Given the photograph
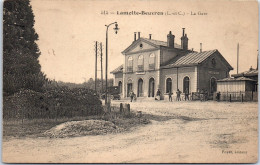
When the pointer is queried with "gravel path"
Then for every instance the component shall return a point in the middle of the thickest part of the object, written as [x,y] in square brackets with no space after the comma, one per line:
[201,132]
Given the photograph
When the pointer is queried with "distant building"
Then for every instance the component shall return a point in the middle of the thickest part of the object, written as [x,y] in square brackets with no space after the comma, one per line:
[244,83]
[150,65]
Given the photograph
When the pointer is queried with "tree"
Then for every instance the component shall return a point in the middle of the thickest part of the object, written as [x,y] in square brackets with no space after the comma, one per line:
[21,68]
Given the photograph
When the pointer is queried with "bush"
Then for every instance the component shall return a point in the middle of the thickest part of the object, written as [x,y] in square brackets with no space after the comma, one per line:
[52,103]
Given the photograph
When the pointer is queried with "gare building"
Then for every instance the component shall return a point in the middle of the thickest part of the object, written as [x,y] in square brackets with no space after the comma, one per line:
[150,65]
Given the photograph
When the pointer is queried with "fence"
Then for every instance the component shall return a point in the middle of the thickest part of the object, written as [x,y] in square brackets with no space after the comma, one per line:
[237,96]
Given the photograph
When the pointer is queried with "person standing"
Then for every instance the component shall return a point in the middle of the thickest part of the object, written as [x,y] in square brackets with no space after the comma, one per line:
[178,95]
[170,96]
[202,95]
[131,95]
[186,94]
[218,96]
[158,95]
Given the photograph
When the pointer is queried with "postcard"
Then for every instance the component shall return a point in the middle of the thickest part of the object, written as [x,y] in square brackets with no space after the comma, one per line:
[133,81]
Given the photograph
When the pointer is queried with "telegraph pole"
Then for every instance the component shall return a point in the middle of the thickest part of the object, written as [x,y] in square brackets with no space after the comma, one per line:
[101,65]
[237,56]
[96,67]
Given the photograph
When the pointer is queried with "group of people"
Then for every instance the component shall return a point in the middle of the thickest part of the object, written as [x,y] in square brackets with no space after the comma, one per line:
[178,94]
[203,95]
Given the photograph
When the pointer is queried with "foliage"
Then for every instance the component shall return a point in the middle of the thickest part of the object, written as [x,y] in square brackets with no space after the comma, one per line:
[21,68]
[91,84]
[53,103]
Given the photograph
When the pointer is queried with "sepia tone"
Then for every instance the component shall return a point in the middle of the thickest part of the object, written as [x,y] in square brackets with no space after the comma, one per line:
[130,81]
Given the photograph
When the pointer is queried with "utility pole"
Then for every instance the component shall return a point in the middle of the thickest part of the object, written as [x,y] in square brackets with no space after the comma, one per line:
[257,60]
[101,65]
[237,56]
[96,67]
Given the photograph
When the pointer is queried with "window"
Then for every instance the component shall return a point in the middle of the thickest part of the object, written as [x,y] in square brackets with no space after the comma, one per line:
[120,86]
[152,61]
[168,85]
[213,62]
[141,63]
[130,64]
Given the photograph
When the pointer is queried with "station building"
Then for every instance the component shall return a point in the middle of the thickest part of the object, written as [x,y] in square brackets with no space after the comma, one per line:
[150,65]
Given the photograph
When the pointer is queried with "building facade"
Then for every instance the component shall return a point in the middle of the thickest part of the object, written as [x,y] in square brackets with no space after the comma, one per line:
[150,65]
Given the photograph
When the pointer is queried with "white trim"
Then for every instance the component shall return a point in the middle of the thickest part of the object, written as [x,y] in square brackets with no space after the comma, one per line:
[128,80]
[196,79]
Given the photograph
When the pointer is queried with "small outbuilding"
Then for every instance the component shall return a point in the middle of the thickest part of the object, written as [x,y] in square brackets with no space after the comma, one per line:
[237,89]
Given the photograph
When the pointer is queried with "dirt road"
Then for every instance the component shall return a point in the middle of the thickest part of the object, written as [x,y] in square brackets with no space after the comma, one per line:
[201,132]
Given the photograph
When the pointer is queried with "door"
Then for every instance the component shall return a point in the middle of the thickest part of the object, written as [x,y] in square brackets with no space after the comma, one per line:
[140,88]
[213,85]
[151,87]
[186,84]
[129,89]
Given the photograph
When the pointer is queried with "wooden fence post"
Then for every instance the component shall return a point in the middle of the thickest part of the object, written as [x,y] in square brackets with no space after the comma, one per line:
[121,107]
[230,98]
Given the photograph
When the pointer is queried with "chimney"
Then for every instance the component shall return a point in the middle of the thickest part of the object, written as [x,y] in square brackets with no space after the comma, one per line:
[150,36]
[200,47]
[139,34]
[135,36]
[170,40]
[192,50]
[184,40]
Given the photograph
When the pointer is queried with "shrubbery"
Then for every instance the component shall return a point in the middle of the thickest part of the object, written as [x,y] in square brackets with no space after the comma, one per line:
[52,103]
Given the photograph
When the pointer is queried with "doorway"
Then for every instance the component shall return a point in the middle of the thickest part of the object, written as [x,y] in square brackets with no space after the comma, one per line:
[140,88]
[129,89]
[186,84]
[151,87]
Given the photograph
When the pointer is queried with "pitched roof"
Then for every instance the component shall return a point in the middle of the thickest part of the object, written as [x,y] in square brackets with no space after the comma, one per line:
[235,79]
[192,58]
[156,43]
[118,69]
[160,43]
[250,72]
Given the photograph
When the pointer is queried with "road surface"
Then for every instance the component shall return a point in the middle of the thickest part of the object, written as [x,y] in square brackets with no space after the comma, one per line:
[200,132]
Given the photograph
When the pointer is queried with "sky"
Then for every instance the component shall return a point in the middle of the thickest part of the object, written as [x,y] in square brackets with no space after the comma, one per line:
[68,30]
